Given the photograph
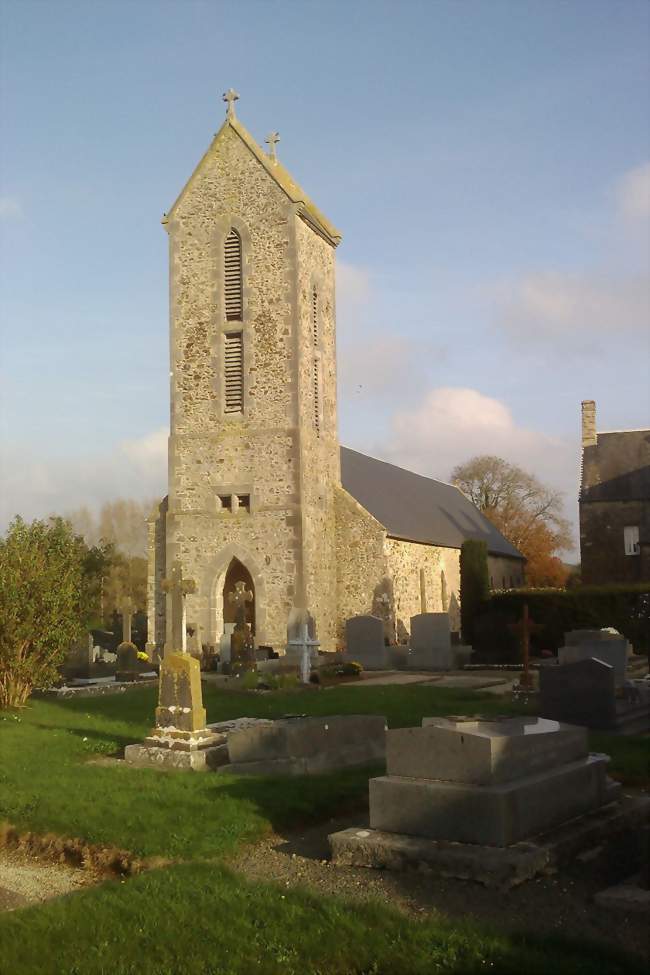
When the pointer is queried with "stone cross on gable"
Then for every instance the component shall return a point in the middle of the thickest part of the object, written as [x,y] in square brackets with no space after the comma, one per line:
[272,140]
[178,588]
[238,599]
[230,97]
[126,607]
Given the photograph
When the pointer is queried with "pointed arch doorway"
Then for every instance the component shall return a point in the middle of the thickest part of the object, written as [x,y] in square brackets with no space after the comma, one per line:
[237,572]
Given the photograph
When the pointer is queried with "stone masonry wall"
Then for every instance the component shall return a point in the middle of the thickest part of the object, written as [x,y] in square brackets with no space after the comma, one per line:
[362,574]
[417,571]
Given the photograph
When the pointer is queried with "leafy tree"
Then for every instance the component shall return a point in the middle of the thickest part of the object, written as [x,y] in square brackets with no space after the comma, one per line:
[527,512]
[474,584]
[46,598]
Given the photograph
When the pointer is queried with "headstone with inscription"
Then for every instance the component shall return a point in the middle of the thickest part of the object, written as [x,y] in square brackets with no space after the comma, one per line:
[582,693]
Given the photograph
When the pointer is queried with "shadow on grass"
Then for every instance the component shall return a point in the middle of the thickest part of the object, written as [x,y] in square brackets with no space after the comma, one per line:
[90,734]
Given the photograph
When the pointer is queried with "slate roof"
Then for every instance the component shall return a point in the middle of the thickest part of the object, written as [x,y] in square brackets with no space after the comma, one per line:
[307,209]
[617,467]
[417,508]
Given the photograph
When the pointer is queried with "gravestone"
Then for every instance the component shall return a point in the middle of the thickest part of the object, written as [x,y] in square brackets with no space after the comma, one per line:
[364,640]
[127,662]
[224,646]
[430,645]
[612,650]
[242,648]
[581,693]
[180,738]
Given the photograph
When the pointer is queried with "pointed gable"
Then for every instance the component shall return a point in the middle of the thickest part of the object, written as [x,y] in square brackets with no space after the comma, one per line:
[305,207]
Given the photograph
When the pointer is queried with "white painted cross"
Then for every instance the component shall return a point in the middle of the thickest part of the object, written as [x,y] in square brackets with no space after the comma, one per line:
[306,646]
[178,588]
[272,140]
[231,97]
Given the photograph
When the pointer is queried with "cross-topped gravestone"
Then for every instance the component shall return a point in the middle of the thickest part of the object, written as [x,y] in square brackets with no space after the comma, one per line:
[230,97]
[523,629]
[272,140]
[238,598]
[126,606]
[178,588]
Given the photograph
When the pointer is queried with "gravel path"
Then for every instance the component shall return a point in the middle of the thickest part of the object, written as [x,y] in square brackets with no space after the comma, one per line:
[25,880]
[551,905]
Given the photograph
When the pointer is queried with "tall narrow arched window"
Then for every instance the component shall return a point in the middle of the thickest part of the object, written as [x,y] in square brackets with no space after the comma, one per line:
[233,281]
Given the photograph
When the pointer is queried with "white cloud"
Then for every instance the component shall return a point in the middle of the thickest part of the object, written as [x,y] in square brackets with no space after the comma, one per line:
[558,306]
[352,289]
[633,194]
[34,487]
[10,208]
[452,424]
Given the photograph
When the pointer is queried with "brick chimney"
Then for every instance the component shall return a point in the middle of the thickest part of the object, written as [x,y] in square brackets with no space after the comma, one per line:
[589,435]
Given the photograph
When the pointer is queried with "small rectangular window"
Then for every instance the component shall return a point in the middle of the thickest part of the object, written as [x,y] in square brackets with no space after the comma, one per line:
[226,502]
[631,539]
[244,502]
[234,372]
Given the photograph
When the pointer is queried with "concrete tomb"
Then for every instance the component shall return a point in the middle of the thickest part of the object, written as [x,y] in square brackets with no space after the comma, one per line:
[302,746]
[471,796]
[364,640]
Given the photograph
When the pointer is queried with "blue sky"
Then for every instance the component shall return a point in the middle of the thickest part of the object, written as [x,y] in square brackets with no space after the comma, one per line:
[487,163]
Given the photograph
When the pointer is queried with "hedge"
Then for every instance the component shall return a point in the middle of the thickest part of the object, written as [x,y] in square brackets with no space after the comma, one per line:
[474,584]
[626,608]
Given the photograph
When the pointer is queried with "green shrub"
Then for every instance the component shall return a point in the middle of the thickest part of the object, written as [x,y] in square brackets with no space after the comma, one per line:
[626,608]
[474,585]
[342,668]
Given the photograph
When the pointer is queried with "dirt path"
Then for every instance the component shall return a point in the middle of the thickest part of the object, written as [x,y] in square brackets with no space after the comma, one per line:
[551,905]
[26,880]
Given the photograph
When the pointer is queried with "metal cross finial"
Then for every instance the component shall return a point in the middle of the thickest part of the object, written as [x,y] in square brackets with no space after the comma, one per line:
[231,97]
[272,140]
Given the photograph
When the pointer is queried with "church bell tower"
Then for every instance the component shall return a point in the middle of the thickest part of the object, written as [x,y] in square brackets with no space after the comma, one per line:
[253,446]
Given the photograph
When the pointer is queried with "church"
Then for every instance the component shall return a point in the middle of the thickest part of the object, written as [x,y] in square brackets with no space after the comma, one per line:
[260,491]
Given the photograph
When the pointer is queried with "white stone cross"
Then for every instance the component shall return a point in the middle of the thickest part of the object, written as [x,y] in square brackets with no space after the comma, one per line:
[306,646]
[272,140]
[178,588]
[231,97]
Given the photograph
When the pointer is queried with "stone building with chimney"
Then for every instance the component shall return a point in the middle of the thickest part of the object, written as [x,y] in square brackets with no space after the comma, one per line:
[259,489]
[614,503]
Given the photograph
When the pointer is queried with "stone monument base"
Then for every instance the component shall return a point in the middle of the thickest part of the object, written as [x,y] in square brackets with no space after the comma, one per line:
[493,866]
[201,751]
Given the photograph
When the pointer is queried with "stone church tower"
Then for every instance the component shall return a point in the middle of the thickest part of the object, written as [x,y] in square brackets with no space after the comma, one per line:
[253,448]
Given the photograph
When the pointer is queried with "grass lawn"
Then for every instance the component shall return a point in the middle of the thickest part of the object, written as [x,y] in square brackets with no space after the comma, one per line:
[200,919]
[195,917]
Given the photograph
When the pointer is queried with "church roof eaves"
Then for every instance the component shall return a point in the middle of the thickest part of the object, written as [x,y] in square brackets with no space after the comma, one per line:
[415,508]
[305,207]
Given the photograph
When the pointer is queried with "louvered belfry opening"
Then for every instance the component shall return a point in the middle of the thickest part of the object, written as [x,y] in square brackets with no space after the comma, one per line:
[233,277]
[234,372]
[314,316]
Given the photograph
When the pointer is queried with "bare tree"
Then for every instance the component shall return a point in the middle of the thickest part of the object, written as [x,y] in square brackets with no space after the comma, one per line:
[526,511]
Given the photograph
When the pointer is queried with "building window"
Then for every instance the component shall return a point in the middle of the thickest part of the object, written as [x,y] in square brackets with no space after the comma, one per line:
[226,502]
[244,502]
[631,539]
[233,284]
[234,372]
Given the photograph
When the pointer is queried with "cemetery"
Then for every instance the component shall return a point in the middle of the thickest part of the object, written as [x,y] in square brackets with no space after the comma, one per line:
[268,703]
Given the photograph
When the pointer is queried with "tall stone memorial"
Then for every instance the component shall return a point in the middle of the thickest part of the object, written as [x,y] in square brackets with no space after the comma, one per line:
[180,738]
